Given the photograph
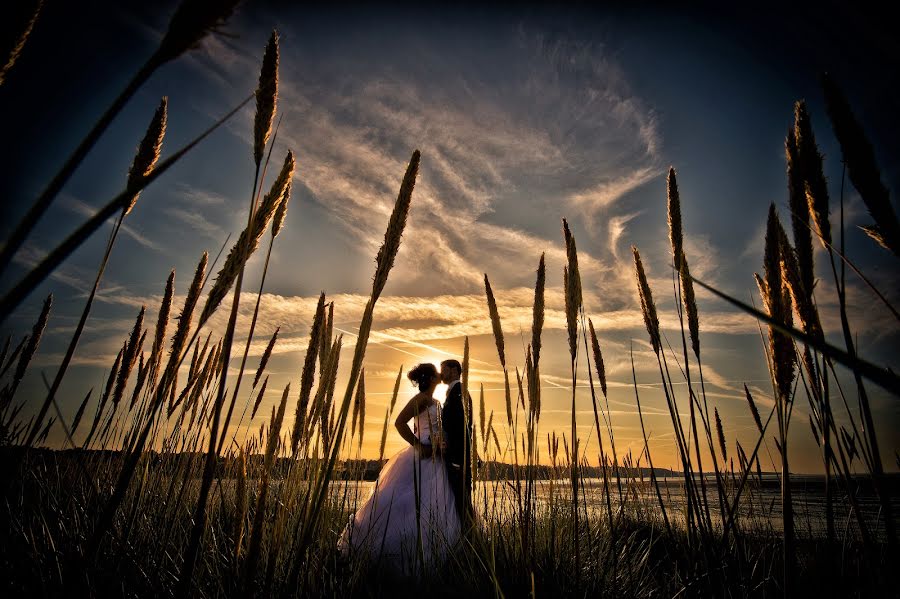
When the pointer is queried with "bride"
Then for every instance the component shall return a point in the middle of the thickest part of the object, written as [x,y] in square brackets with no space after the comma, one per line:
[410,517]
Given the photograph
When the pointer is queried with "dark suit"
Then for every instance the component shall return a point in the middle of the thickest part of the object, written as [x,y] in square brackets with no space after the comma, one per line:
[457,455]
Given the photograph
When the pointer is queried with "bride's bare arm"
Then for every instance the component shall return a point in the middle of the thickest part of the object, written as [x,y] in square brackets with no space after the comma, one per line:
[410,411]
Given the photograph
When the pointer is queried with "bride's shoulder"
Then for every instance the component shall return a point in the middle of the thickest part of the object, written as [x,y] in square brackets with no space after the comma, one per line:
[423,401]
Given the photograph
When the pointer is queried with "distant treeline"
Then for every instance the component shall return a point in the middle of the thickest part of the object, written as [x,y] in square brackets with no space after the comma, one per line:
[368,470]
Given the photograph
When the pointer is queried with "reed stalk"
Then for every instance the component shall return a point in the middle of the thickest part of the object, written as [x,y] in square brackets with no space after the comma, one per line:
[859,158]
[36,275]
[307,374]
[191,22]
[24,18]
[384,261]
[782,359]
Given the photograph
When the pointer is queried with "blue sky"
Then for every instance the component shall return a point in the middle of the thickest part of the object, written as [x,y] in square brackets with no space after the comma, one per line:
[523,118]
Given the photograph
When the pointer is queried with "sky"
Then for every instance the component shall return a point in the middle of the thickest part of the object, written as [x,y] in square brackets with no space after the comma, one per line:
[524,117]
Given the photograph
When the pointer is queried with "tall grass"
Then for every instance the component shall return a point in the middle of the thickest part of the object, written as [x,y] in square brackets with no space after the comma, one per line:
[156,501]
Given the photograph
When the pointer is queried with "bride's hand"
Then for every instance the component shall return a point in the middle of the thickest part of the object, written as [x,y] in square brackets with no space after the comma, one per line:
[425,450]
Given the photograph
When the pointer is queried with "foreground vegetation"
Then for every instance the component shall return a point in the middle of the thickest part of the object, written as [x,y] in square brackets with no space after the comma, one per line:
[163,501]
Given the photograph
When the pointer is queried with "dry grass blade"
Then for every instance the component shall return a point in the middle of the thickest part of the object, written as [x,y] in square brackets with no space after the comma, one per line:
[266,98]
[148,151]
[388,250]
[248,241]
[265,357]
[648,308]
[495,320]
[862,167]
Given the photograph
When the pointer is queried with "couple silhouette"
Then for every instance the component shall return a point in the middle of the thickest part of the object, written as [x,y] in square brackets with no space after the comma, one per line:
[421,503]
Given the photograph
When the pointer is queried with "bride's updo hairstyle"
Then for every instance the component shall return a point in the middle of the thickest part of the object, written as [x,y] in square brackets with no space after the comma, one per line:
[423,375]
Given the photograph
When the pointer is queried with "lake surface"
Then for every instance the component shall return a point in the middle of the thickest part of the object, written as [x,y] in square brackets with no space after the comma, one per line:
[759,506]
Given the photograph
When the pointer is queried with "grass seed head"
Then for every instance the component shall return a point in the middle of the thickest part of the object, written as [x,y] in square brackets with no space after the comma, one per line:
[648,308]
[248,240]
[266,98]
[130,356]
[308,373]
[799,212]
[148,151]
[78,415]
[187,312]
[811,166]
[281,211]
[862,168]
[162,323]
[397,223]
[674,218]
[192,21]
[495,320]
[572,286]
[34,340]
[265,357]
[598,358]
[781,349]
[537,322]
[259,397]
[721,435]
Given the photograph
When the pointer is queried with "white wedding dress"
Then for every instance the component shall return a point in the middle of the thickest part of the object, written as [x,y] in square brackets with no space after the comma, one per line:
[388,527]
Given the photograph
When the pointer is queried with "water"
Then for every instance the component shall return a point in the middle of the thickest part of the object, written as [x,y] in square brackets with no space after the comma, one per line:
[759,507]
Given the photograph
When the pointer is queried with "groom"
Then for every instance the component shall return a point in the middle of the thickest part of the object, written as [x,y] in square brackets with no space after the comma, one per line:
[458,437]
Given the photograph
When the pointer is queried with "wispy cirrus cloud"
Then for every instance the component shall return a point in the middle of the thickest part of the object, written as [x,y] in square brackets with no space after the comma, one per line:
[83,208]
[504,158]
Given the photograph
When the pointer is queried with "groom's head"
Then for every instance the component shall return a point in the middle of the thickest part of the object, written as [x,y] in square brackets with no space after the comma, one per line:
[450,371]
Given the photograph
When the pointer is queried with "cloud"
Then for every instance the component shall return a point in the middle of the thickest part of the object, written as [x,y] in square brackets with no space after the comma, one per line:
[555,131]
[85,209]
[606,193]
